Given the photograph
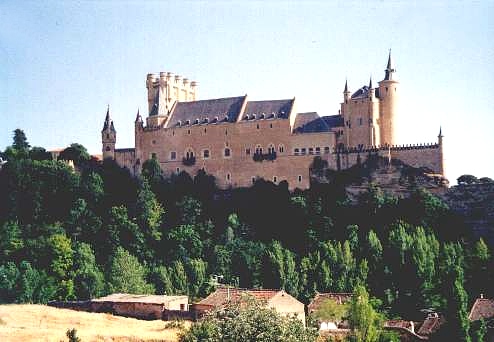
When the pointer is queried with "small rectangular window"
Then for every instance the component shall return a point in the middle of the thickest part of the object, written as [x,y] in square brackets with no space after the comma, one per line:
[153,155]
[227,152]
[326,149]
[247,151]
[205,154]
[299,179]
[275,179]
[173,155]
[318,150]
[296,151]
[304,150]
[311,150]
[253,180]
[228,176]
[178,170]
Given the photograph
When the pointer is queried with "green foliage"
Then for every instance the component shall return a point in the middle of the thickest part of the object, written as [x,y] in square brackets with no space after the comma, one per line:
[466,179]
[72,335]
[75,152]
[151,171]
[365,322]
[88,278]
[330,310]
[249,321]
[11,241]
[127,275]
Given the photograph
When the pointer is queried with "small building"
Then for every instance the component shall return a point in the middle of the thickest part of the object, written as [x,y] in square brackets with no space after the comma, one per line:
[279,300]
[483,308]
[338,298]
[139,306]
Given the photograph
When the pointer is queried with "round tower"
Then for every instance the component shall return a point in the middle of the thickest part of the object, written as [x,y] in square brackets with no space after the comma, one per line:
[388,105]
[108,137]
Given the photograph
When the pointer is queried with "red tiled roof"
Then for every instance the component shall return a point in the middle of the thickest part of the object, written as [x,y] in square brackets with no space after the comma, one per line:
[430,325]
[482,308]
[222,295]
[340,298]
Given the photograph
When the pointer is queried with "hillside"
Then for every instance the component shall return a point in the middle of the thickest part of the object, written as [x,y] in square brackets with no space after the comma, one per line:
[43,323]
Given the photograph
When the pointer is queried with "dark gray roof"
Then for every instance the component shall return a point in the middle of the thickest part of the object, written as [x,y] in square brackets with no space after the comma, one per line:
[207,111]
[156,104]
[361,93]
[319,124]
[268,109]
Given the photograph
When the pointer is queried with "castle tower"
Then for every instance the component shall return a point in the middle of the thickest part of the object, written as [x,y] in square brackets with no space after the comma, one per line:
[441,151]
[388,103]
[163,93]
[108,137]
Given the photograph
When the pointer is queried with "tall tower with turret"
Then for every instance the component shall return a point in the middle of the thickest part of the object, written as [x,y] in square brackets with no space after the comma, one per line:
[388,105]
[108,137]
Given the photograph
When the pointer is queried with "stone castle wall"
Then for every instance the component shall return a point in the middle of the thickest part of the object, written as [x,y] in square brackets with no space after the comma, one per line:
[242,139]
[126,158]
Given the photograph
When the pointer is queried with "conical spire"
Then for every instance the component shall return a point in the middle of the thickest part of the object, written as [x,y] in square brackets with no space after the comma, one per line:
[440,132]
[138,116]
[107,123]
[346,86]
[389,68]
[370,82]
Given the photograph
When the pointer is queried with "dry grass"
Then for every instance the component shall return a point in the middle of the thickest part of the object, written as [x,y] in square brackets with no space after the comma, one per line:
[44,323]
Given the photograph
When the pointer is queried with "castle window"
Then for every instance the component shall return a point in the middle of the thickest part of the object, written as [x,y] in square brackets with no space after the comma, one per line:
[257,126]
[196,122]
[262,116]
[247,151]
[386,89]
[318,150]
[228,177]
[326,149]
[360,121]
[187,122]
[281,148]
[311,150]
[296,151]
[153,155]
[179,123]
[275,179]
[253,180]
[304,150]
[226,132]
[188,131]
[205,154]
[205,130]
[173,155]
[258,149]
[189,154]
[227,152]
[271,125]
[154,142]
[173,132]
[299,178]
[178,170]
[108,148]
[271,149]
[107,136]
[206,120]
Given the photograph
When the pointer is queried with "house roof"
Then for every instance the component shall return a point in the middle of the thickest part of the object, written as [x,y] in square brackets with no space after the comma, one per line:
[312,123]
[361,93]
[135,298]
[223,295]
[320,298]
[482,308]
[431,324]
[206,111]
[268,109]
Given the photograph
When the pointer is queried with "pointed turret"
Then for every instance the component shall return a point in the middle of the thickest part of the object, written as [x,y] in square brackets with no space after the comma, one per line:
[390,70]
[346,92]
[372,91]
[370,82]
[138,116]
[440,136]
[108,136]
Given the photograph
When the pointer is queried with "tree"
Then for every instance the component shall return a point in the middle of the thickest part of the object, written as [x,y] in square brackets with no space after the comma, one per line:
[11,241]
[249,320]
[160,277]
[149,213]
[39,153]
[330,310]
[127,275]
[88,279]
[75,152]
[365,322]
[151,171]
[467,179]
[61,256]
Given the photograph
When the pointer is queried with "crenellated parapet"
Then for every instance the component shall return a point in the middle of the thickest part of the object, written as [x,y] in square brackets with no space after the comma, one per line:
[387,148]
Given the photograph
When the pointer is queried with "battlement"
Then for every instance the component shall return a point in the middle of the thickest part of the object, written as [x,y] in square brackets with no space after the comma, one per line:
[165,89]
[404,147]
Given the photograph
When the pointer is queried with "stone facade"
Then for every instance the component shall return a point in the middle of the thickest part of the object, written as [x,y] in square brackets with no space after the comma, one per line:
[238,140]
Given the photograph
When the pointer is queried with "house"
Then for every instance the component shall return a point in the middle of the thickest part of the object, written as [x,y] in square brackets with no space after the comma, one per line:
[139,306]
[279,300]
[482,308]
[320,299]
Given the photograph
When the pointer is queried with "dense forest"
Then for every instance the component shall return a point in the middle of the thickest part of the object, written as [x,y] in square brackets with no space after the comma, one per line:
[80,234]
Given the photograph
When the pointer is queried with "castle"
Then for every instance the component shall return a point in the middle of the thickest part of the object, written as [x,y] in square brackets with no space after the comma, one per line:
[238,140]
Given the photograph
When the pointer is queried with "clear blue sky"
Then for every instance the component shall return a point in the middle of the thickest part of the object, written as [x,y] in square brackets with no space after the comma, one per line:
[63,62]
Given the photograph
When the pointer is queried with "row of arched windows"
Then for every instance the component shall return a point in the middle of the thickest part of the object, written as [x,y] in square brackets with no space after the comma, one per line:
[311,150]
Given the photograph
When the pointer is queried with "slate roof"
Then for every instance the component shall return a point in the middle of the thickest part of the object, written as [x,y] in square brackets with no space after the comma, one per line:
[220,297]
[268,109]
[207,111]
[361,93]
[482,308]
[318,124]
[431,324]
[134,298]
[340,298]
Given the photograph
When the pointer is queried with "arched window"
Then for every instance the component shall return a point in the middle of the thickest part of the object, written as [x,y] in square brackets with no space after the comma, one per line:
[227,152]
[311,150]
[108,148]
[196,122]
[281,148]
[271,149]
[258,149]
[296,151]
[205,154]
[189,153]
